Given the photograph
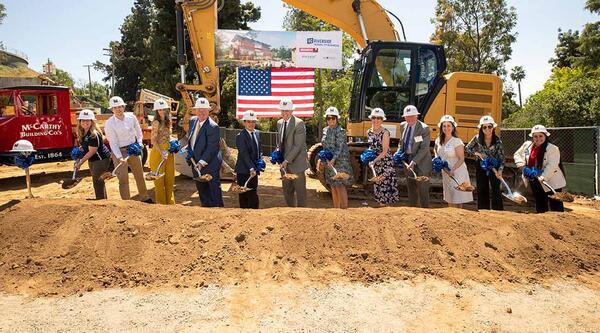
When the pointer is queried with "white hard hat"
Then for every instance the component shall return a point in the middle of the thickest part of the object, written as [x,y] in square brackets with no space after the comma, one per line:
[22,146]
[286,104]
[410,110]
[202,103]
[160,104]
[332,111]
[377,112]
[539,129]
[86,114]
[116,101]
[249,116]
[446,118]
[486,120]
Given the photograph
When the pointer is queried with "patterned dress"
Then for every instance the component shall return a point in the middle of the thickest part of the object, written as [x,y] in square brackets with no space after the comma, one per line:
[334,140]
[386,192]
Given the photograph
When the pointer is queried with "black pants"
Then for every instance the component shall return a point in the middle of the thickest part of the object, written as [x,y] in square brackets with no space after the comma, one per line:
[484,184]
[96,169]
[543,202]
[250,198]
[210,192]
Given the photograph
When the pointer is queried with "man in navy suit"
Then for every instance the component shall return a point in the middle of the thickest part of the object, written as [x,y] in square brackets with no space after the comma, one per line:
[204,138]
[248,145]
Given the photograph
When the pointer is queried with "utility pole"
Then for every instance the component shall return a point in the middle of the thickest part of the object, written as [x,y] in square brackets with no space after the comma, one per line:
[90,79]
[110,54]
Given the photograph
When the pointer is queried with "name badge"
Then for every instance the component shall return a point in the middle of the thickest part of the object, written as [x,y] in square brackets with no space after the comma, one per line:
[418,138]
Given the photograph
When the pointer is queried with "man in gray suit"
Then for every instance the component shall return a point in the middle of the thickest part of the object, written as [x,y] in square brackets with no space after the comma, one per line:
[414,140]
[291,135]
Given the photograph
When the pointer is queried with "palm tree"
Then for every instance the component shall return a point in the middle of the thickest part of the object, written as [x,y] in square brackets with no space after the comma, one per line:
[518,75]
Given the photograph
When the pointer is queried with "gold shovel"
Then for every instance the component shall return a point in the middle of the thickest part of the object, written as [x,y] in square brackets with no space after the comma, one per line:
[200,178]
[73,181]
[418,178]
[154,175]
[560,196]
[235,188]
[375,178]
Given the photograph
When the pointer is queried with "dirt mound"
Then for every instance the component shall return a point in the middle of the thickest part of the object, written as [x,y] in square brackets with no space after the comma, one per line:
[60,246]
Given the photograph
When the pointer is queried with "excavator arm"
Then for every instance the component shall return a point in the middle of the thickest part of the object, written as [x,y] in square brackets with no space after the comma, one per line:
[364,20]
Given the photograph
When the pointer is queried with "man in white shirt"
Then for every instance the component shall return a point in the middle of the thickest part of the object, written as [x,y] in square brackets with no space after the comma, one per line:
[123,129]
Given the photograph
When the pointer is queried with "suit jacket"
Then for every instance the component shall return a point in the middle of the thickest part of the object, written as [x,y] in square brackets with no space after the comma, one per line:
[551,170]
[294,144]
[206,147]
[248,152]
[421,154]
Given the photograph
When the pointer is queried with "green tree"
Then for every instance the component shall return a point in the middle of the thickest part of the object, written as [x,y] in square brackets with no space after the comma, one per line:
[518,74]
[332,87]
[236,16]
[567,50]
[571,97]
[590,39]
[478,34]
[99,92]
[509,106]
[62,78]
[2,16]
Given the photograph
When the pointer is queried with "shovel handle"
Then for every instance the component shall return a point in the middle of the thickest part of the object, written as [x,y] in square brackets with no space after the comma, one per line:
[247,181]
[28,181]
[409,168]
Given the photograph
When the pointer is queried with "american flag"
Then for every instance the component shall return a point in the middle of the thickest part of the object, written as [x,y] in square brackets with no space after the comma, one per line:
[262,89]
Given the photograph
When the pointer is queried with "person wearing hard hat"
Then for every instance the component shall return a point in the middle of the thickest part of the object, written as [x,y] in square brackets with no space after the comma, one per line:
[484,145]
[291,135]
[123,129]
[415,137]
[450,147]
[386,192]
[539,153]
[249,153]
[160,137]
[334,140]
[203,140]
[96,153]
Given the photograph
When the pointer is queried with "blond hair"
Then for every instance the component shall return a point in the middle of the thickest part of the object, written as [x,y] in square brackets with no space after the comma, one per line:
[81,131]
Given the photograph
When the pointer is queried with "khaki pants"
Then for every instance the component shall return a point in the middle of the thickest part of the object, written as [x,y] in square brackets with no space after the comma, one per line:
[135,163]
[294,191]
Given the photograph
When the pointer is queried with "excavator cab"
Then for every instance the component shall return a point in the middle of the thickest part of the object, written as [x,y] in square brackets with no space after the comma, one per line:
[392,75]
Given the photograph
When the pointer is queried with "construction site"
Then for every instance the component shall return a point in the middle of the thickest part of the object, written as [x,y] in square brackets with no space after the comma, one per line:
[70,262]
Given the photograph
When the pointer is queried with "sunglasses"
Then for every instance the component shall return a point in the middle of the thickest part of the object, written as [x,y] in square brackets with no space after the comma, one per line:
[487,126]
[331,117]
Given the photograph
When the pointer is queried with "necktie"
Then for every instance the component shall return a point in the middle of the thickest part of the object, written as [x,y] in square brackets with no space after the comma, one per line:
[407,141]
[195,135]
[254,142]
[282,145]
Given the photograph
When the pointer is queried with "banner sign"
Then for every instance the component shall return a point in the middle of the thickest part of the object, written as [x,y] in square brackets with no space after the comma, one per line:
[308,49]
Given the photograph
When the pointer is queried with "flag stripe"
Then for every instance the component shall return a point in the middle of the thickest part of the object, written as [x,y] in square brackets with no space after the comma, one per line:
[260,106]
[273,101]
[274,109]
[262,90]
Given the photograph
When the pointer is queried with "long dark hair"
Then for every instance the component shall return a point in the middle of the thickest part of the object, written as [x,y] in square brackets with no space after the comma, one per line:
[443,135]
[163,122]
[539,159]
[481,137]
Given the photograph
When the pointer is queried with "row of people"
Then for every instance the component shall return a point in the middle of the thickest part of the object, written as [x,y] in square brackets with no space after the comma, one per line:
[123,129]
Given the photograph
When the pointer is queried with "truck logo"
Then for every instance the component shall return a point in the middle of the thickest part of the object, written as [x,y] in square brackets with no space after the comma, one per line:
[40,129]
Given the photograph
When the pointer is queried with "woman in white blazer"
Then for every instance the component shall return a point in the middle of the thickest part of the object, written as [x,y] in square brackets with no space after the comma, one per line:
[542,155]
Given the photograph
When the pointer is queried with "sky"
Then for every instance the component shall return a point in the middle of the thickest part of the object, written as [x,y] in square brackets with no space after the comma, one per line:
[73,33]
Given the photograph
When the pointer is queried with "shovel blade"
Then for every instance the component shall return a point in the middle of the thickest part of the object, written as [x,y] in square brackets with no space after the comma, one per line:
[70,183]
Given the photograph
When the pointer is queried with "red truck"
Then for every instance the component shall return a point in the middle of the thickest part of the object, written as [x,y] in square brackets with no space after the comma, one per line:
[39,114]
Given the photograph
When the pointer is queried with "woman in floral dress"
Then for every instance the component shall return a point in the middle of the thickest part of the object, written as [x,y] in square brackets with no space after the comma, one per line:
[334,140]
[386,191]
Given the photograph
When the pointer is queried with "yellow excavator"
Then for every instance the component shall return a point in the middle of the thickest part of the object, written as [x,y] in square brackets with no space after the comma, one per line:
[389,73]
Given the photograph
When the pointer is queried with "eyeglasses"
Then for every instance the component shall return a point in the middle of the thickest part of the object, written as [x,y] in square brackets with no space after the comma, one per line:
[331,117]
[487,126]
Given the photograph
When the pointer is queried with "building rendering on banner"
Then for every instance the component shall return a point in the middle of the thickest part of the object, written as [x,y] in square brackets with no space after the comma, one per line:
[245,48]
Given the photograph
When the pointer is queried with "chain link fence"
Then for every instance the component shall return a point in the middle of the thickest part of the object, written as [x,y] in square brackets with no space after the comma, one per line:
[579,153]
[268,140]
